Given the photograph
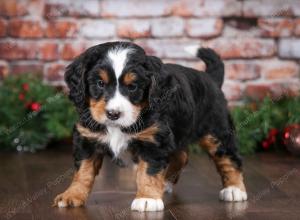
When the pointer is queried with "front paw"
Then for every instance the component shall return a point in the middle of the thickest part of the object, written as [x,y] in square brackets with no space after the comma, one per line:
[69,199]
[232,194]
[147,204]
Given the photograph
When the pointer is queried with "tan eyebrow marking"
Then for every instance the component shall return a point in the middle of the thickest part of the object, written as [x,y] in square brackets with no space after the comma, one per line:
[104,76]
[129,78]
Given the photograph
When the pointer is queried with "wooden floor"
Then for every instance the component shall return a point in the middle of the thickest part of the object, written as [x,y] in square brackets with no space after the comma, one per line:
[29,182]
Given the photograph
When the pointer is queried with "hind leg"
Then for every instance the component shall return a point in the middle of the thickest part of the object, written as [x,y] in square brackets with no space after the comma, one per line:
[228,165]
[177,162]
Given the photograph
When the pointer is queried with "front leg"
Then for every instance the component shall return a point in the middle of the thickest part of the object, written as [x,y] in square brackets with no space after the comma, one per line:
[83,180]
[87,162]
[150,189]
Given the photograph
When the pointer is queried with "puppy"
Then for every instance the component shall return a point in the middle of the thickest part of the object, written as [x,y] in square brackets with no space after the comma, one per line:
[128,101]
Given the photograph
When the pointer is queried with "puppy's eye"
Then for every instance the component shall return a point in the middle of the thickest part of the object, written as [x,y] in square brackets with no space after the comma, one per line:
[132,87]
[100,84]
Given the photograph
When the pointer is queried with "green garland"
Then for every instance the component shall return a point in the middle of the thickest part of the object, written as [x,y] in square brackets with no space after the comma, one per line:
[32,113]
[254,121]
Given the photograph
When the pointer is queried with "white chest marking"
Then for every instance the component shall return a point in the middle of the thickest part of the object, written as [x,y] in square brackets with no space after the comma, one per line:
[116,139]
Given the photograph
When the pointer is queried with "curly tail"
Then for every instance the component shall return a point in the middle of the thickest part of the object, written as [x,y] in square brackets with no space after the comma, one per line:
[213,62]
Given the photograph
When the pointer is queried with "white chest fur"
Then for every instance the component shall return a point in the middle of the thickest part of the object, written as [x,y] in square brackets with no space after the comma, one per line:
[116,139]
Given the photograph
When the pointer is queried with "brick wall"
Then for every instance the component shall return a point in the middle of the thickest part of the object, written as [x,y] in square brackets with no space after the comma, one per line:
[259,39]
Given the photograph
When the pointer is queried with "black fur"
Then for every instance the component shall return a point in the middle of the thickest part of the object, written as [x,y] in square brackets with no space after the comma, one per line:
[185,103]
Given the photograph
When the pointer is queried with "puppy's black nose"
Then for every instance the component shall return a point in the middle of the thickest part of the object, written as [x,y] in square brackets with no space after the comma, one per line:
[113,115]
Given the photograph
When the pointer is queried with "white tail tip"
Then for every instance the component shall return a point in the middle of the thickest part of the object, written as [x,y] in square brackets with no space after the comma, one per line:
[192,49]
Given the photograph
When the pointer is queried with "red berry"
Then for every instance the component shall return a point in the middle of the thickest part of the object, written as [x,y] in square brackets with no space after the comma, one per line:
[265,145]
[272,139]
[286,135]
[27,105]
[35,106]
[273,132]
[25,86]
[21,96]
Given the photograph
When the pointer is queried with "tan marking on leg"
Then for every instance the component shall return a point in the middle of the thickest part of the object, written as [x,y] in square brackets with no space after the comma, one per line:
[82,183]
[230,174]
[104,76]
[97,108]
[210,144]
[149,186]
[177,162]
[129,78]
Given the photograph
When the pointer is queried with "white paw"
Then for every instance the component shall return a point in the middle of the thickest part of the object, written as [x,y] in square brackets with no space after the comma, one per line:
[169,187]
[232,194]
[147,204]
[62,204]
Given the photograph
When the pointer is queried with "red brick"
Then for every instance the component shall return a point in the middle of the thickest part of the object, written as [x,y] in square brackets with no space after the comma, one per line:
[15,50]
[259,91]
[54,10]
[133,28]
[276,27]
[26,67]
[277,69]
[25,28]
[61,29]
[205,8]
[54,72]
[2,28]
[242,70]
[65,8]
[71,50]
[276,90]
[48,51]
[135,8]
[167,27]
[4,69]
[232,91]
[297,27]
[233,29]
[208,27]
[272,8]
[12,8]
[242,47]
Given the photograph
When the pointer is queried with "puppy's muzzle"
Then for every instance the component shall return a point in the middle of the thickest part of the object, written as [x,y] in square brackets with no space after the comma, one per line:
[113,114]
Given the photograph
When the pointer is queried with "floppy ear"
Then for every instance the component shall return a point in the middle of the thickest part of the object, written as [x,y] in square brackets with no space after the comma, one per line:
[153,63]
[75,79]
[75,75]
[161,83]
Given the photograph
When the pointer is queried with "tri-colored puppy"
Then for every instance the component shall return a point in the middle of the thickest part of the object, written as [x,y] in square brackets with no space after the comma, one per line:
[128,101]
